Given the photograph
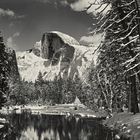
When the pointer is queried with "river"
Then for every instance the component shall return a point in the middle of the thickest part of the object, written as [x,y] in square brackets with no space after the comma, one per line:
[27,126]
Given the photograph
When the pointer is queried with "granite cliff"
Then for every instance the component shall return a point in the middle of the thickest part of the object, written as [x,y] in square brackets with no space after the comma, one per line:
[56,54]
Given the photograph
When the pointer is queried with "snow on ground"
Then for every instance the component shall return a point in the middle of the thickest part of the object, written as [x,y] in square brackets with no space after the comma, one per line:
[58,109]
[126,124]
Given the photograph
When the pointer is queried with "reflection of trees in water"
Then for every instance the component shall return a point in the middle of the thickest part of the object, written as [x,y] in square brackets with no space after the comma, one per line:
[47,127]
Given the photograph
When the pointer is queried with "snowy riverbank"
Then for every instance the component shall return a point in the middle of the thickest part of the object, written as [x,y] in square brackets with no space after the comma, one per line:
[61,109]
[126,125]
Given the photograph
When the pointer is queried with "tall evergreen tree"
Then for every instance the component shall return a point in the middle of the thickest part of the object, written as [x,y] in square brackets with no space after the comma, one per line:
[3,72]
[39,87]
[40,79]
[122,39]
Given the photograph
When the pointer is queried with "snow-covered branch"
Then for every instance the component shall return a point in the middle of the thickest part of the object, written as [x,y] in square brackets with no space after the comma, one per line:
[101,20]
[136,65]
[125,16]
[135,73]
[127,35]
[133,40]
[128,4]
[130,23]
[128,62]
[104,9]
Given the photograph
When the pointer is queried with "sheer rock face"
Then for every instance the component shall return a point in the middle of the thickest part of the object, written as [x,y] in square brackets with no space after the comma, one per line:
[55,43]
[56,54]
[58,50]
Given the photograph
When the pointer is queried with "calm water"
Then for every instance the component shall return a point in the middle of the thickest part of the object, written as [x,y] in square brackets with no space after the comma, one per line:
[26,126]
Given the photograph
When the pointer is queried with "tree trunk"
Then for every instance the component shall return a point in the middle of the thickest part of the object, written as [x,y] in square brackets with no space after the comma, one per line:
[133,101]
[137,3]
[137,6]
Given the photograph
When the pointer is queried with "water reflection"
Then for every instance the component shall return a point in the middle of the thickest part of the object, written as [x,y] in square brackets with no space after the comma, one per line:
[26,126]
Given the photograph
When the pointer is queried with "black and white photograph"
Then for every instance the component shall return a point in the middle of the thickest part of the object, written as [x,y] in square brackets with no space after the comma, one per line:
[69,69]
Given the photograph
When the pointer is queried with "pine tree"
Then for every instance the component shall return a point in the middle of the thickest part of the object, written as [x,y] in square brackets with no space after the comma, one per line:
[68,91]
[40,79]
[121,25]
[3,72]
[78,89]
[39,87]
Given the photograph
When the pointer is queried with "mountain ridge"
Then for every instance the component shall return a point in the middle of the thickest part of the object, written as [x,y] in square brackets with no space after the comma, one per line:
[56,54]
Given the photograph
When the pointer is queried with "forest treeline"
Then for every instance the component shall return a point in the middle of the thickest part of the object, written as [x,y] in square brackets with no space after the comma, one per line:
[43,92]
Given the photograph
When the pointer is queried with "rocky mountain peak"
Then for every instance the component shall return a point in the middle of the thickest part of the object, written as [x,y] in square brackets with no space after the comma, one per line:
[56,54]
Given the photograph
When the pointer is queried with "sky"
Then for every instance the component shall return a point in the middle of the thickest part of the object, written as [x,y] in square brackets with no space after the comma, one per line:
[23,22]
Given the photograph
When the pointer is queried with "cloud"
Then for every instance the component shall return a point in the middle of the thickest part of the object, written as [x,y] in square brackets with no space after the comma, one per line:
[81,5]
[44,1]
[56,2]
[7,12]
[64,2]
[95,8]
[10,13]
[93,40]
[11,24]
[16,34]
[10,41]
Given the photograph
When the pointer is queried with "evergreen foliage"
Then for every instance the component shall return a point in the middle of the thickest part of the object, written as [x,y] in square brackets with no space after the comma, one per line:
[117,74]
[58,91]
[3,72]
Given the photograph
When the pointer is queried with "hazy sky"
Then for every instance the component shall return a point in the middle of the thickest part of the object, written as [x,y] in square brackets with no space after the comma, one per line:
[24,21]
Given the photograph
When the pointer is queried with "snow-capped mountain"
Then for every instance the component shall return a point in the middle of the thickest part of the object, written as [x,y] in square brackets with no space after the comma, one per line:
[56,54]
